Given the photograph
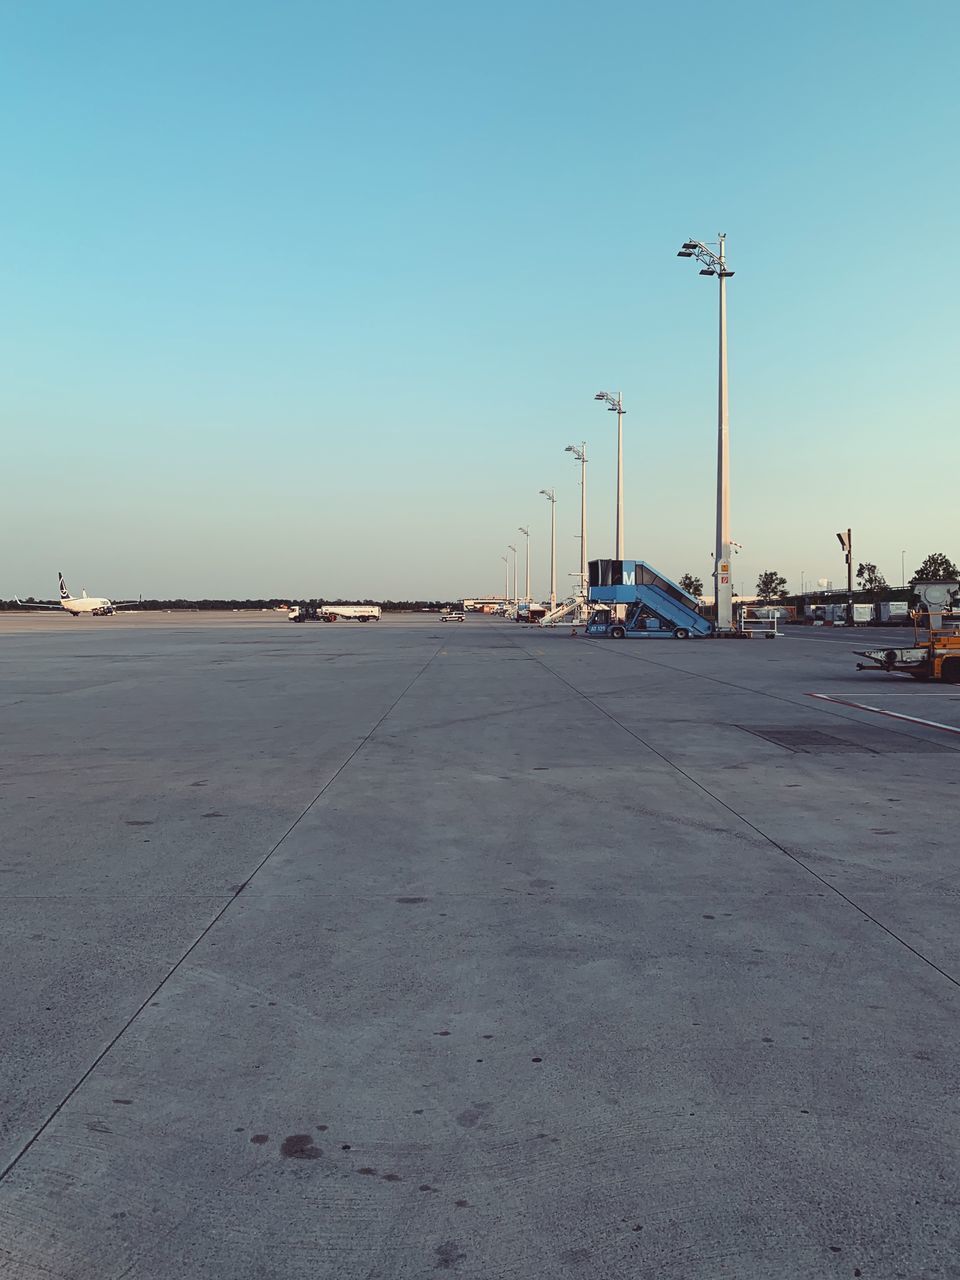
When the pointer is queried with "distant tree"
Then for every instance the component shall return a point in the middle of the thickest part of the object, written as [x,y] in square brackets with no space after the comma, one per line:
[691,583]
[871,579]
[771,586]
[936,568]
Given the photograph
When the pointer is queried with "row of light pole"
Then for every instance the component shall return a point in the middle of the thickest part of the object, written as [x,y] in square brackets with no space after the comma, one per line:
[713,263]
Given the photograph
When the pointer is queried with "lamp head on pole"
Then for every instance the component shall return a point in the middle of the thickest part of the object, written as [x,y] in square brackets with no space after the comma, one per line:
[613,402]
[712,263]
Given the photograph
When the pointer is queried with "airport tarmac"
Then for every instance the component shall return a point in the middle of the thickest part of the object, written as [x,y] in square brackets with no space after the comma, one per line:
[387,951]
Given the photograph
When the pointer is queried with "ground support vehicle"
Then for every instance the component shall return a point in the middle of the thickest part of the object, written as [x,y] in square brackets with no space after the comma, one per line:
[354,612]
[572,610]
[935,655]
[631,598]
[452,616]
[331,612]
[309,613]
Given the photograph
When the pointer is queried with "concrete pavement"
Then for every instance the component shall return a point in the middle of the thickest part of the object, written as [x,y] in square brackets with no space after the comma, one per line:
[399,950]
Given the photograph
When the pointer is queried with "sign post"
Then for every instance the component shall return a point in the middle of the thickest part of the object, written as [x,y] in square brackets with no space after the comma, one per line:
[846,541]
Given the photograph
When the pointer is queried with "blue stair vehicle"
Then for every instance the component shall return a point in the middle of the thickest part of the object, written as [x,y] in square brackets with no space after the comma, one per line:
[652,606]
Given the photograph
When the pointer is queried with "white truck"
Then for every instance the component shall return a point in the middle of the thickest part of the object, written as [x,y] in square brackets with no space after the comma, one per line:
[331,612]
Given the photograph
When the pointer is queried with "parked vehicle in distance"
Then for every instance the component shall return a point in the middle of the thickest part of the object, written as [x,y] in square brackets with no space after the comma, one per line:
[309,613]
[331,612]
[354,612]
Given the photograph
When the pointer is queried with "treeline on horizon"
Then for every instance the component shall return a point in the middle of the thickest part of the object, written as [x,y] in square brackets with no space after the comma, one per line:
[819,596]
[200,606]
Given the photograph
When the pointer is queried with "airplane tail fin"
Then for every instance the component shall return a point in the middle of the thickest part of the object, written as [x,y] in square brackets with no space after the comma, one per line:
[64,593]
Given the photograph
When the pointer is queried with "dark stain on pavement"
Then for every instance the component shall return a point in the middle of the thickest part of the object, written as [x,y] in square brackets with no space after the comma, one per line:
[214,814]
[138,822]
[260,1138]
[448,1256]
[368,1171]
[392,1177]
[411,901]
[299,1146]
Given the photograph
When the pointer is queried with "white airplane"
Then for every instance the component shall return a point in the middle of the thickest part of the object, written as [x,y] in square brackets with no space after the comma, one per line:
[98,606]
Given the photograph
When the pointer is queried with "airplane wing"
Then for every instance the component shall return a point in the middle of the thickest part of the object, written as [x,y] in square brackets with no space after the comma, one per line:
[126,604]
[36,604]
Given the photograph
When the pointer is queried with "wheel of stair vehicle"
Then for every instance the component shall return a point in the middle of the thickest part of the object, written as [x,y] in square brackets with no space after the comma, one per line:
[681,633]
[618,632]
[950,670]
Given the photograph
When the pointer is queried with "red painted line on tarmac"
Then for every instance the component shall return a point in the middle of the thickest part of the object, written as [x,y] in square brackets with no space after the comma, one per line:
[894,715]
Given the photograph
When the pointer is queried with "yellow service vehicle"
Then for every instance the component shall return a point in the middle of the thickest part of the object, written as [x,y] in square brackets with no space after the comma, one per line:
[935,655]
[935,652]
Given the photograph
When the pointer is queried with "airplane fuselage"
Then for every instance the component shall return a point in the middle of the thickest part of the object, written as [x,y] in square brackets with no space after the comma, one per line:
[98,606]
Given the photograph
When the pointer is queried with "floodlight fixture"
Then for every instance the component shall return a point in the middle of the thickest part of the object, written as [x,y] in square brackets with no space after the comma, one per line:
[614,402]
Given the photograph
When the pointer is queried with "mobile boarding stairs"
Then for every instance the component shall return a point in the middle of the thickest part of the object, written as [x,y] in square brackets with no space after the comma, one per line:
[632,599]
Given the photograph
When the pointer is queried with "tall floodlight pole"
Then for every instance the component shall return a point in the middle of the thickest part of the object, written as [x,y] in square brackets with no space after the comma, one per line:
[551,497]
[512,548]
[614,404]
[580,454]
[526,589]
[903,568]
[506,578]
[715,264]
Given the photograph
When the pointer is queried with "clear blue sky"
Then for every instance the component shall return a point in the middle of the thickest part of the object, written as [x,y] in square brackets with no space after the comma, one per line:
[308,298]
